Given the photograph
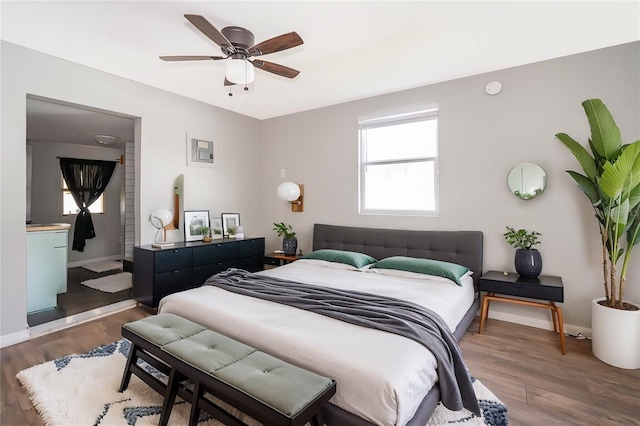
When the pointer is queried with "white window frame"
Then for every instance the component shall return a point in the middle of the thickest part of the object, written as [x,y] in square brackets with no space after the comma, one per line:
[365,123]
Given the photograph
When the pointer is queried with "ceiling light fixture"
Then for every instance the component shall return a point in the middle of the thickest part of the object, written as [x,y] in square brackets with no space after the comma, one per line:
[106,139]
[239,71]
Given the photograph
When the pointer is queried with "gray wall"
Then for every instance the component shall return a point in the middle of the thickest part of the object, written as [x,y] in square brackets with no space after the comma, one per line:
[481,138]
[160,143]
[46,202]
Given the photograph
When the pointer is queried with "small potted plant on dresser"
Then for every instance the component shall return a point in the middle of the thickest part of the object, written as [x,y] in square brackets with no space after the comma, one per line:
[206,234]
[289,240]
[611,184]
[528,260]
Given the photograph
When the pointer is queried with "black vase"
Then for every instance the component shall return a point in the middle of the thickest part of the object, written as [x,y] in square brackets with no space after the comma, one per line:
[528,263]
[290,246]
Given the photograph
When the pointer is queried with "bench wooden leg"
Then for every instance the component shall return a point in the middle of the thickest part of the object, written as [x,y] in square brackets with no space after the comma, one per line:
[317,419]
[195,409]
[126,376]
[170,396]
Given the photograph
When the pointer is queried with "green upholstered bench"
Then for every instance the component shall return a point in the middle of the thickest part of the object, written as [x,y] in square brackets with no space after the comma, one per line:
[266,388]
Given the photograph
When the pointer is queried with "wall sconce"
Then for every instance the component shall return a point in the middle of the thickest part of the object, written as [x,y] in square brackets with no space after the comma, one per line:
[160,219]
[292,193]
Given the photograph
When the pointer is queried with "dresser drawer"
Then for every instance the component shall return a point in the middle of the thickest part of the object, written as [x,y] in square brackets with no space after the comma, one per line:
[172,259]
[202,273]
[215,252]
[173,280]
[252,263]
[523,289]
[251,247]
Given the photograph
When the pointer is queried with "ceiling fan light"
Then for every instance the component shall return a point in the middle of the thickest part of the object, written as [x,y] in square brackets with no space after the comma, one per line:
[239,71]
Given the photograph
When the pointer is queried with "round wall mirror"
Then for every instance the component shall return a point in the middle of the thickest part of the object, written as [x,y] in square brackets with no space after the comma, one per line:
[527,180]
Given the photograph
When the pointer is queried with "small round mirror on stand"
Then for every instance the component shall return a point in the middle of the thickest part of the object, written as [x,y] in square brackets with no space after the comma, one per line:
[527,180]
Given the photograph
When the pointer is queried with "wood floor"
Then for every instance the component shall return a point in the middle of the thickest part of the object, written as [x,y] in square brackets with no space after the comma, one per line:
[523,366]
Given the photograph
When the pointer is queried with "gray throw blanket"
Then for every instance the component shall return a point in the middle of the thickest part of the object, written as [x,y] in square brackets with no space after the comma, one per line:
[382,313]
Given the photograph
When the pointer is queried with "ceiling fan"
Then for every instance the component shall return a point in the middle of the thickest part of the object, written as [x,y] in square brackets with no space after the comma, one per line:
[237,43]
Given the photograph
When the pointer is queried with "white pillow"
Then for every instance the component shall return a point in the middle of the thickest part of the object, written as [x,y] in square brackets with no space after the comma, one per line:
[416,275]
[327,264]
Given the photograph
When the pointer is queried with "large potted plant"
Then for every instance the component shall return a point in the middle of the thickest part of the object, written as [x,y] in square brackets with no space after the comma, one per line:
[611,182]
[289,240]
[528,261]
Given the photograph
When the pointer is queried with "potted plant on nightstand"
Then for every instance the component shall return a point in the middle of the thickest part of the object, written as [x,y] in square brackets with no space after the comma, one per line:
[289,240]
[528,260]
[612,184]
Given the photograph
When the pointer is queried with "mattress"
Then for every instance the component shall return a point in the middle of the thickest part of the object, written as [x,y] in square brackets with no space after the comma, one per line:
[381,377]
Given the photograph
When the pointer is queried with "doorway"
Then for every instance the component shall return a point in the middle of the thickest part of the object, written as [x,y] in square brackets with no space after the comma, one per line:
[60,129]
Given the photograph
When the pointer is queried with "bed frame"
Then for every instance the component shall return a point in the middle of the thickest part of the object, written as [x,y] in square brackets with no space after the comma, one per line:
[461,247]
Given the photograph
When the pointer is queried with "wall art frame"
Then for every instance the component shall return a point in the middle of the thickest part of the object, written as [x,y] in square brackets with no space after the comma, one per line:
[229,222]
[194,221]
[216,228]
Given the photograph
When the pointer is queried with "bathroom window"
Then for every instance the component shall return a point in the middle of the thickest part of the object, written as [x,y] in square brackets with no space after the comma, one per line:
[69,206]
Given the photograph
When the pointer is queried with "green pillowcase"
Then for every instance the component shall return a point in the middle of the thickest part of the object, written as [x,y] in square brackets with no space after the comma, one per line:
[352,258]
[439,268]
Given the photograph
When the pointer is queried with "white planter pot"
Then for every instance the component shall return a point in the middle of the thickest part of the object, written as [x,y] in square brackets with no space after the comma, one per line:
[615,335]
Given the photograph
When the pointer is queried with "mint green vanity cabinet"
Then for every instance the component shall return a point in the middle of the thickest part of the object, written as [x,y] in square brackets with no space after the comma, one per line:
[46,268]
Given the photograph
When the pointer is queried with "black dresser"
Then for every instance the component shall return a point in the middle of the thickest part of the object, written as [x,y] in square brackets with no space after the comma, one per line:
[159,272]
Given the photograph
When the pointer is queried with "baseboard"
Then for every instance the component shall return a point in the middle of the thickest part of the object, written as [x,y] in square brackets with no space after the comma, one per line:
[96,260]
[14,338]
[573,330]
[80,318]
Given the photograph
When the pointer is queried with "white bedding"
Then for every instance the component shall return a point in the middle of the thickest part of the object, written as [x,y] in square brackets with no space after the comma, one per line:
[381,377]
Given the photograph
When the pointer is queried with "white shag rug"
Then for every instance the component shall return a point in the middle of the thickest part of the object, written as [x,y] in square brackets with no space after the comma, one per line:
[83,390]
[111,283]
[105,266]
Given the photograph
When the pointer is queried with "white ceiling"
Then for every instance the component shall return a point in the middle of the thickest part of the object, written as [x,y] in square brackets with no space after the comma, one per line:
[352,49]
[49,121]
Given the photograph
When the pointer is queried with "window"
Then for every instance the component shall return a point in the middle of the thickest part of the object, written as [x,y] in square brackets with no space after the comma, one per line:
[398,164]
[70,207]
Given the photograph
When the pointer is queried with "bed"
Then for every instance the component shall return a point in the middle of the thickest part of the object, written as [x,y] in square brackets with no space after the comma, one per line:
[382,378]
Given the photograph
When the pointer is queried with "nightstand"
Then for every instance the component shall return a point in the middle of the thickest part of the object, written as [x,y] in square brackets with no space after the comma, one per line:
[276,259]
[545,287]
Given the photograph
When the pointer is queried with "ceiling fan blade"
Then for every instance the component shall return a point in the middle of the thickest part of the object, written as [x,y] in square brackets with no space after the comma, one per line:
[276,44]
[275,68]
[210,31]
[191,58]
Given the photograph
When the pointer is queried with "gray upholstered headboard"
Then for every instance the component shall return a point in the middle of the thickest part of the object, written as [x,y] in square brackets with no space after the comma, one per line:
[461,247]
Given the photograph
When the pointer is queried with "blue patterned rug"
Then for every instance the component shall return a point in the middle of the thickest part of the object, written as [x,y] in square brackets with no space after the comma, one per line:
[83,390]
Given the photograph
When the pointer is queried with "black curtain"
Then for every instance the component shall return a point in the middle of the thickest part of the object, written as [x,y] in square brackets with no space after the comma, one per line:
[86,180]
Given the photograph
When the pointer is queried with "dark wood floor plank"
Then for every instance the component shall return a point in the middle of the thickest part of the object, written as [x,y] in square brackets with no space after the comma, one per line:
[574,389]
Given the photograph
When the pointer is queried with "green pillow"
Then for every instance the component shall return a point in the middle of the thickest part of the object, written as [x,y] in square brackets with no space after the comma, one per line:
[352,258]
[438,268]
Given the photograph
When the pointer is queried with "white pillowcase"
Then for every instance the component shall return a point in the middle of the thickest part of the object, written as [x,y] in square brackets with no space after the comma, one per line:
[416,275]
[327,264]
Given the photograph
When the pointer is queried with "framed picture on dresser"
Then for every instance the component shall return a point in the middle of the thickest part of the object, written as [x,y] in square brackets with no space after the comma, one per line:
[194,221]
[216,228]
[229,223]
